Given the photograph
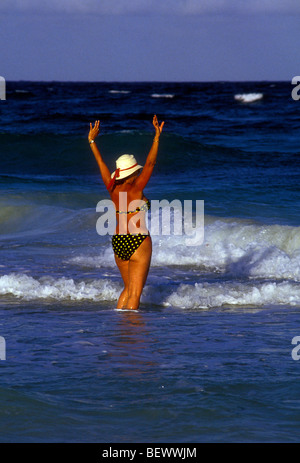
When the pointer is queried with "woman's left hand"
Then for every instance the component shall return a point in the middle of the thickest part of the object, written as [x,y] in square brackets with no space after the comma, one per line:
[158,128]
[94,131]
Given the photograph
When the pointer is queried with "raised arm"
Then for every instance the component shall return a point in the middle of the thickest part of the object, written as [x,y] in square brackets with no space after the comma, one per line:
[146,173]
[94,132]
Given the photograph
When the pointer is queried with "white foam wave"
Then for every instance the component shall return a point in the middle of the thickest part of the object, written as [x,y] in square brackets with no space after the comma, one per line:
[208,295]
[29,288]
[248,97]
[123,92]
[187,296]
[162,95]
[237,248]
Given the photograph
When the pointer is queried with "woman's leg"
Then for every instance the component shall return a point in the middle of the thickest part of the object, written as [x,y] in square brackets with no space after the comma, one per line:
[139,264]
[123,266]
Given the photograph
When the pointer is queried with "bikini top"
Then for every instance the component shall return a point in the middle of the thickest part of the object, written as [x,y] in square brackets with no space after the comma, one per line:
[144,208]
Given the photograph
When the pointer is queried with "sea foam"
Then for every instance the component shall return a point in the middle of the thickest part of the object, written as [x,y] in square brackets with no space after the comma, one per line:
[232,247]
[208,295]
[26,287]
[202,295]
[248,97]
[162,95]
[123,92]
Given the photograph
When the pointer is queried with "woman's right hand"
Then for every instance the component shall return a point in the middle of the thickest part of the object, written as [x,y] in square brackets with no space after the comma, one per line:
[94,131]
[158,128]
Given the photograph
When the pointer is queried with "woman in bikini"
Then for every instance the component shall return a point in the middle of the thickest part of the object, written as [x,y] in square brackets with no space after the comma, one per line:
[131,242]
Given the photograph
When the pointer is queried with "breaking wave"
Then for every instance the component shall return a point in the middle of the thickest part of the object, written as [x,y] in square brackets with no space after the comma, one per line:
[248,97]
[186,296]
[235,248]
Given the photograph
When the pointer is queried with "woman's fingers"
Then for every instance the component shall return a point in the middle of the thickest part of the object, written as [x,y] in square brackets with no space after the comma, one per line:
[96,126]
[156,124]
[94,131]
[155,121]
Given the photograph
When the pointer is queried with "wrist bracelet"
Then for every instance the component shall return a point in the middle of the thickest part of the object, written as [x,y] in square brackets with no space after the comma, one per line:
[91,141]
[155,140]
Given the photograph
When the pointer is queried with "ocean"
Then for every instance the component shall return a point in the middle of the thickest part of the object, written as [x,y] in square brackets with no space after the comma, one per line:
[210,356]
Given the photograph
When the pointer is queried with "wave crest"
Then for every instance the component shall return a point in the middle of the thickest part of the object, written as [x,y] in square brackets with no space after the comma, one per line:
[208,295]
[28,288]
[248,97]
[186,296]
[236,248]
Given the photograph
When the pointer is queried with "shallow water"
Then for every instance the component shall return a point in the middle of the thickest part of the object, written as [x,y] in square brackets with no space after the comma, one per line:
[88,373]
[208,357]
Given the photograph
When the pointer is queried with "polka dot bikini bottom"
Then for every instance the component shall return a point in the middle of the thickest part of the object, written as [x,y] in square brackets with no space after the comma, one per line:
[125,245]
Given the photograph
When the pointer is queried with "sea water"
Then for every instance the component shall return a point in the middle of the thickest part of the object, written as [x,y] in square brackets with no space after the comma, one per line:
[208,356]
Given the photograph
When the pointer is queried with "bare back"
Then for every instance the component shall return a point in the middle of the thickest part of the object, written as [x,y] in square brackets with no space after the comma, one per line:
[128,199]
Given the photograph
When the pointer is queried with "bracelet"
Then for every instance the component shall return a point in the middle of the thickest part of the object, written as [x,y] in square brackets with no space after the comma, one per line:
[91,141]
[155,140]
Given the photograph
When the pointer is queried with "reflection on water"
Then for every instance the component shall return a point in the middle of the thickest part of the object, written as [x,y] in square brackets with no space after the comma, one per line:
[132,346]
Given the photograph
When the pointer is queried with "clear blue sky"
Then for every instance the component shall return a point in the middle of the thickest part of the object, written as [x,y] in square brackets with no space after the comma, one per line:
[149,40]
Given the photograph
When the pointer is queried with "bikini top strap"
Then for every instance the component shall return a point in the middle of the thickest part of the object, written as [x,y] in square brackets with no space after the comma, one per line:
[144,207]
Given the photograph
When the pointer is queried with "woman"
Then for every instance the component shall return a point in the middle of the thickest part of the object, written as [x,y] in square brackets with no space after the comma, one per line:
[132,243]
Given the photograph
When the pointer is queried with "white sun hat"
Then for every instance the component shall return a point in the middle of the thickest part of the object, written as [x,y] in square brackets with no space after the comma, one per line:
[126,165]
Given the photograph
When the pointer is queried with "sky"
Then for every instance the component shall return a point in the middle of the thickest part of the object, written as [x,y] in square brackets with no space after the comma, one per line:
[149,40]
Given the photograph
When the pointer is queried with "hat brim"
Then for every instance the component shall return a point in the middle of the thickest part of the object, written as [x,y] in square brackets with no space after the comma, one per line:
[126,173]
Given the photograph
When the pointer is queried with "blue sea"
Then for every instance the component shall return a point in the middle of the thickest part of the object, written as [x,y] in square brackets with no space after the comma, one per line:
[208,356]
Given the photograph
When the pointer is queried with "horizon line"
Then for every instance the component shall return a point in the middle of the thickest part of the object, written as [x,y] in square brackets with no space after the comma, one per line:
[150,81]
